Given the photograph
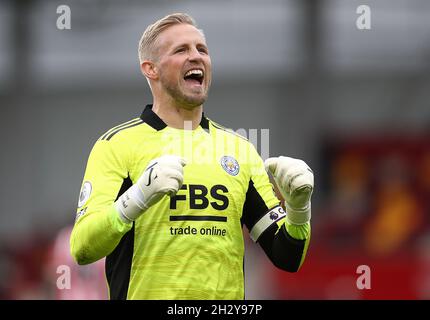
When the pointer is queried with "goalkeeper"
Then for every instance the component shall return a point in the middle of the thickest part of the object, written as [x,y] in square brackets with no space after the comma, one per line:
[169,221]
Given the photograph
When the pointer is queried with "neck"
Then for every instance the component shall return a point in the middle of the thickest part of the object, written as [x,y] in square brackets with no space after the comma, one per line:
[178,117]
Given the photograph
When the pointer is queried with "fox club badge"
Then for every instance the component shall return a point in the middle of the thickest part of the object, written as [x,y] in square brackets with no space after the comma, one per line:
[230,165]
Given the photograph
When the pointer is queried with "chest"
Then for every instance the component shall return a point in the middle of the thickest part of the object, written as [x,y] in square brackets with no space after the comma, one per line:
[215,177]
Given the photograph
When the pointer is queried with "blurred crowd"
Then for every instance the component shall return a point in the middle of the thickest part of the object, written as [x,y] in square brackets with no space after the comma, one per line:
[42,268]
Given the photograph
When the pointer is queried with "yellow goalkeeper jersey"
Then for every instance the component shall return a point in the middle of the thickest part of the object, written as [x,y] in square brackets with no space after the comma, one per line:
[189,246]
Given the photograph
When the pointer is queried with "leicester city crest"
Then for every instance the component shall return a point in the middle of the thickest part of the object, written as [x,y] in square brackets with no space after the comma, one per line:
[230,165]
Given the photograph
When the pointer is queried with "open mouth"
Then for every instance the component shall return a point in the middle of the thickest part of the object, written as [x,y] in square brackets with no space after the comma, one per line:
[194,76]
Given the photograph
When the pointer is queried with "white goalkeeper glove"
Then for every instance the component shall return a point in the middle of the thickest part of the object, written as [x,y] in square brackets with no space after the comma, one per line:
[163,175]
[295,181]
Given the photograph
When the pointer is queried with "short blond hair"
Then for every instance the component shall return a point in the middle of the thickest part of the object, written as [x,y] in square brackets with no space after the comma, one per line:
[147,42]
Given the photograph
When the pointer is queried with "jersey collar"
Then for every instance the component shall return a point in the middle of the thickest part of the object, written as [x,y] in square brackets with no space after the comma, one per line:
[152,119]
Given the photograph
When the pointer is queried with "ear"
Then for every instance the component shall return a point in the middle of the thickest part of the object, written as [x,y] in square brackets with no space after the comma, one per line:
[149,70]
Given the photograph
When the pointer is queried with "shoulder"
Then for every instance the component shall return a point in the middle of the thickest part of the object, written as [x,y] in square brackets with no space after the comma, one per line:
[121,129]
[227,131]
[115,144]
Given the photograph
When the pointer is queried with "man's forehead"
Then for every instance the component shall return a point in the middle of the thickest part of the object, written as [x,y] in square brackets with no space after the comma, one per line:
[180,33]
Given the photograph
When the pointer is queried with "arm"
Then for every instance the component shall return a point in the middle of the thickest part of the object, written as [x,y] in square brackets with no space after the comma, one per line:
[295,181]
[285,242]
[109,207]
[286,245]
[98,228]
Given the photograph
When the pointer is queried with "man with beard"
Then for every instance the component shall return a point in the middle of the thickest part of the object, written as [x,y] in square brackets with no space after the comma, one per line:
[165,196]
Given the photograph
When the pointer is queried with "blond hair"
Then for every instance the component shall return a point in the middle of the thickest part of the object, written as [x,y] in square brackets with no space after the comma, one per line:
[147,43]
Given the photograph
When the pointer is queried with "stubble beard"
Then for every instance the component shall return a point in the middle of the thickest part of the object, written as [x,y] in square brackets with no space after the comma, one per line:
[187,101]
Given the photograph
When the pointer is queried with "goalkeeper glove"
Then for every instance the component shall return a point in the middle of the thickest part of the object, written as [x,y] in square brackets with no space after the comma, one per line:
[295,181]
[163,175]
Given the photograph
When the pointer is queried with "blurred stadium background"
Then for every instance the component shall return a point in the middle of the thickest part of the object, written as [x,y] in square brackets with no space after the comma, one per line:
[353,103]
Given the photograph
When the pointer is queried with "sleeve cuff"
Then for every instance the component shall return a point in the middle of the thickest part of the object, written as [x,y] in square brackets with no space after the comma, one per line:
[299,232]
[117,224]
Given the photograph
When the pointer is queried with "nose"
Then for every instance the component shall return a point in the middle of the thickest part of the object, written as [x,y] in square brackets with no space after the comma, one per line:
[195,55]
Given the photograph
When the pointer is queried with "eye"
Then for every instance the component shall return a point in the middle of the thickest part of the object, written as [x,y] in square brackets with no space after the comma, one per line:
[180,50]
[203,50]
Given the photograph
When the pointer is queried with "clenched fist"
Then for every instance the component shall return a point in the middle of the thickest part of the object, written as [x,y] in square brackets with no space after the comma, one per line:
[295,181]
[162,176]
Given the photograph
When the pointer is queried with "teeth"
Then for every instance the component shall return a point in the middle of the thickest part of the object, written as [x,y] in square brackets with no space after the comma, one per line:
[194,71]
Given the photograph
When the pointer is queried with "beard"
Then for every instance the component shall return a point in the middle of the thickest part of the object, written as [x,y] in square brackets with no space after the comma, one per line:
[186,100]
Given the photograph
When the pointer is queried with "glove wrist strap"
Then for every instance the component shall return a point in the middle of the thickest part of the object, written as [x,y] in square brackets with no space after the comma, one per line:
[298,216]
[130,204]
